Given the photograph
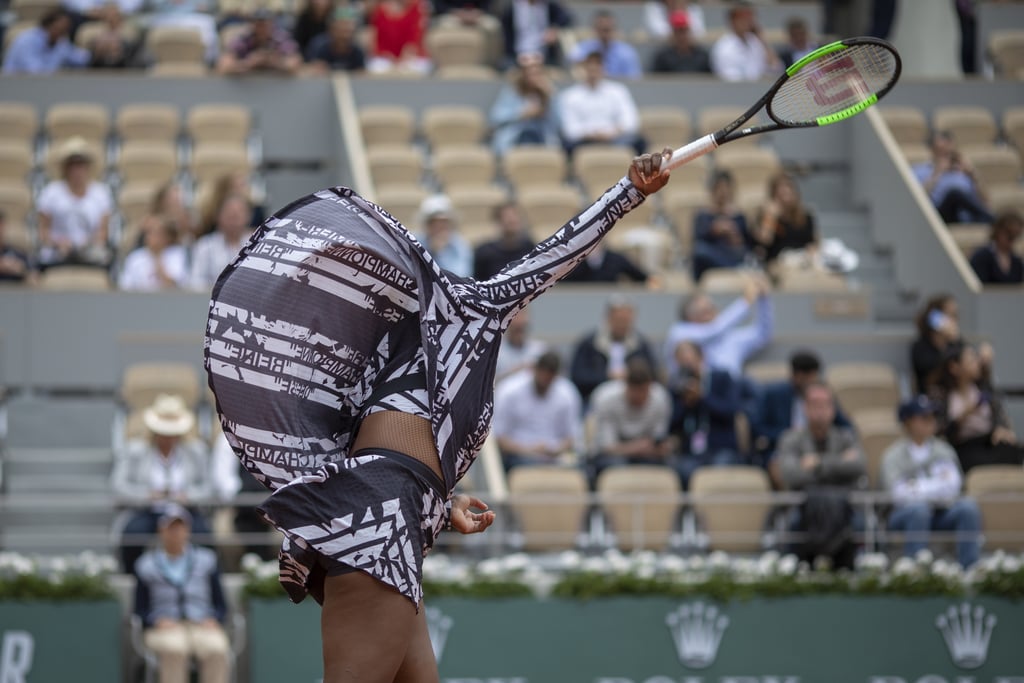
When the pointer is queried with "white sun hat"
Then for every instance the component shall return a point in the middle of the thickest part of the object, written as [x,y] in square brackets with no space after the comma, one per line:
[168,416]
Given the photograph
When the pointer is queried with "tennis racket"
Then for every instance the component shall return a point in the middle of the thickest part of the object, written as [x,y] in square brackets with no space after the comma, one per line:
[833,83]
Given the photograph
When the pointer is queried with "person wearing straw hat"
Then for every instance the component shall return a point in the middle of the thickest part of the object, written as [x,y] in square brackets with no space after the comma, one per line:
[166,467]
[74,211]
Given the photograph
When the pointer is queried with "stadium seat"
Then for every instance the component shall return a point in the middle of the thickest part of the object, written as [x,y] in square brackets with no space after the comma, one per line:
[1013,128]
[455,46]
[32,10]
[474,205]
[999,491]
[867,418]
[178,70]
[464,166]
[212,160]
[1006,48]
[1005,197]
[969,124]
[681,209]
[396,165]
[218,123]
[532,165]
[712,119]
[16,160]
[767,371]
[70,119]
[860,385]
[147,122]
[467,72]
[15,200]
[402,202]
[734,524]
[995,166]
[649,248]
[89,31]
[135,198]
[724,280]
[75,279]
[875,437]
[908,125]
[598,167]
[916,153]
[665,127]
[386,125]
[549,503]
[689,178]
[19,121]
[51,164]
[176,45]
[810,280]
[444,125]
[143,382]
[547,208]
[148,161]
[750,168]
[626,495]
[969,236]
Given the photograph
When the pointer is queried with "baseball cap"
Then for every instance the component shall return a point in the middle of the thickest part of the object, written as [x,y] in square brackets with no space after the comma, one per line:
[436,206]
[173,513]
[919,405]
[679,19]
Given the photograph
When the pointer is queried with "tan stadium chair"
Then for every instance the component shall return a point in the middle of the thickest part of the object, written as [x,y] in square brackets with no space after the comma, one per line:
[711,119]
[1003,198]
[403,202]
[75,279]
[532,166]
[396,165]
[916,153]
[1013,128]
[641,216]
[548,208]
[97,150]
[457,46]
[874,418]
[386,125]
[1006,47]
[639,522]
[875,438]
[649,248]
[155,162]
[19,121]
[665,127]
[689,178]
[750,202]
[70,119]
[750,168]
[724,280]
[219,123]
[135,199]
[464,166]
[18,236]
[15,200]
[735,524]
[970,125]
[999,492]
[908,125]
[598,167]
[995,166]
[176,45]
[475,205]
[550,505]
[861,384]
[681,209]
[148,122]
[178,70]
[444,126]
[212,160]
[143,382]
[810,280]
[467,72]
[970,236]
[32,10]
[767,371]
[91,30]
[16,160]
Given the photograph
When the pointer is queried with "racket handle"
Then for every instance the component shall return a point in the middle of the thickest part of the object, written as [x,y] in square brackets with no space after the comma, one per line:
[688,153]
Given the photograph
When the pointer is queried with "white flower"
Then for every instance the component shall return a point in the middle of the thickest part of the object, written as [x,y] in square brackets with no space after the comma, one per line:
[718,560]
[490,568]
[250,561]
[924,557]
[645,558]
[598,565]
[904,567]
[696,563]
[788,565]
[873,562]
[517,562]
[569,559]
[645,572]
[672,563]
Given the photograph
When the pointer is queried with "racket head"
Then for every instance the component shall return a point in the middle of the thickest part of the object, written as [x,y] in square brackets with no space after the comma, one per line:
[835,82]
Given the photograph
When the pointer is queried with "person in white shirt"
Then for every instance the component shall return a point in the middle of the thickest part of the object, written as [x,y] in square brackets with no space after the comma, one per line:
[518,349]
[599,111]
[923,476]
[74,211]
[161,263]
[212,253]
[537,415]
[741,54]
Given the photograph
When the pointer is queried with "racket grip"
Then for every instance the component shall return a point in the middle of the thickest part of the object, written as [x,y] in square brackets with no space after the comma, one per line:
[688,153]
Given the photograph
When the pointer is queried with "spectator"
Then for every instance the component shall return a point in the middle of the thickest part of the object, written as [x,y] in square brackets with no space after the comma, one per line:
[598,111]
[741,53]
[161,263]
[180,600]
[938,330]
[726,344]
[826,462]
[261,48]
[974,420]
[705,403]
[513,242]
[996,263]
[212,253]
[525,111]
[784,222]
[631,419]
[169,201]
[14,263]
[537,415]
[531,27]
[83,11]
[603,354]
[398,32]
[798,42]
[720,233]
[950,183]
[680,53]
[658,17]
[212,195]
[194,14]
[440,237]
[606,265]
[110,49]
[620,59]
[167,467]
[45,48]
[923,476]
[312,21]
[73,212]
[518,349]
[337,48]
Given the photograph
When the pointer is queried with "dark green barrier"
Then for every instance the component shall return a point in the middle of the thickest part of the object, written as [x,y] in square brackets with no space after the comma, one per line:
[44,642]
[659,640]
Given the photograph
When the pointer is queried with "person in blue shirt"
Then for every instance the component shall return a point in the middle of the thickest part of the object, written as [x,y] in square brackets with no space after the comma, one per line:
[620,58]
[45,48]
[951,184]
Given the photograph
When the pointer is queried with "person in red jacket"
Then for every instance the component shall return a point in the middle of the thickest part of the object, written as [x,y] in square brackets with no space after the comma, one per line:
[398,30]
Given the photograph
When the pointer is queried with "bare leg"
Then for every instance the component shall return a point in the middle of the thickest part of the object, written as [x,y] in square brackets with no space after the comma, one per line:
[419,665]
[366,627]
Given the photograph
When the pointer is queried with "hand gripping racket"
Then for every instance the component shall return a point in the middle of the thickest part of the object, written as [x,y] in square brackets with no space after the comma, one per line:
[831,84]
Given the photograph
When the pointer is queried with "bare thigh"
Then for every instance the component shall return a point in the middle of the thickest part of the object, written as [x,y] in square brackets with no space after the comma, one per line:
[419,665]
[367,628]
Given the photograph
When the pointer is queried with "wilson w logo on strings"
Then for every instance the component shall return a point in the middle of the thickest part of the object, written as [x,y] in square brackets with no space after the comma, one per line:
[837,81]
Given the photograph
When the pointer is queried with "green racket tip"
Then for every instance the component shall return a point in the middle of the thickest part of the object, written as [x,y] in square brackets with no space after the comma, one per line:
[823,50]
[847,113]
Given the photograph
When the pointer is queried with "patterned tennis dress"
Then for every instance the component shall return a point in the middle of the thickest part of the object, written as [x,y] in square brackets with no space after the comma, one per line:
[331,300]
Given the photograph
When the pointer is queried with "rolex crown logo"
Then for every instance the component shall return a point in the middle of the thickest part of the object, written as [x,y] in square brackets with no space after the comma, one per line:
[966,632]
[697,631]
[438,626]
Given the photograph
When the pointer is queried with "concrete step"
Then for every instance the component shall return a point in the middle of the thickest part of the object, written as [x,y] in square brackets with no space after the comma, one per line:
[23,484]
[60,421]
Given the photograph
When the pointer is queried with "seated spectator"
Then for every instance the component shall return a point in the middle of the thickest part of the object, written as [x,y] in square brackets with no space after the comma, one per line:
[261,48]
[973,417]
[620,58]
[658,17]
[73,212]
[441,238]
[826,462]
[337,48]
[741,53]
[631,419]
[519,350]
[721,238]
[195,14]
[531,27]
[109,48]
[211,197]
[598,111]
[212,253]
[169,201]
[180,600]
[923,476]
[513,242]
[602,355]
[82,11]
[784,222]
[996,263]
[537,415]
[45,48]
[950,183]
[165,468]
[398,33]
[798,42]
[525,111]
[705,402]
[161,263]
[606,265]
[681,53]
[938,330]
[727,345]
[14,263]
[312,21]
